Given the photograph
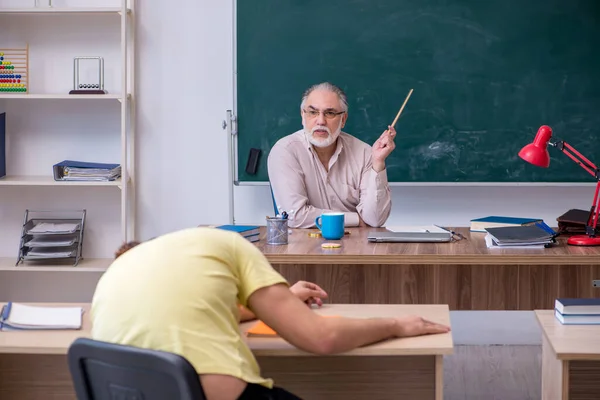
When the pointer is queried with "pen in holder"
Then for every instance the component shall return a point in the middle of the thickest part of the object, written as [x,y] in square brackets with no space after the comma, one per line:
[277,230]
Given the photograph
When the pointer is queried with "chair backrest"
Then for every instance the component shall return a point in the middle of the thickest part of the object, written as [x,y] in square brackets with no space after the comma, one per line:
[107,371]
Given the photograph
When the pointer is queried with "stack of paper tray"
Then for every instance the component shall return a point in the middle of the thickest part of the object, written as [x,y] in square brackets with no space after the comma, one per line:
[51,235]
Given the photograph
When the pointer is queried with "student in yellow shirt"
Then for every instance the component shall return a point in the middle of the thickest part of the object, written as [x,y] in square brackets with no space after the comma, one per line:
[180,293]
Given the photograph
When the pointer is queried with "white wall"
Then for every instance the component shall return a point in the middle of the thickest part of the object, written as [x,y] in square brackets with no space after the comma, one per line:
[449,205]
[184,87]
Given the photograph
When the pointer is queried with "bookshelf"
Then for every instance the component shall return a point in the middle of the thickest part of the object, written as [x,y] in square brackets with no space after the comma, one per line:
[42,180]
[121,95]
[66,10]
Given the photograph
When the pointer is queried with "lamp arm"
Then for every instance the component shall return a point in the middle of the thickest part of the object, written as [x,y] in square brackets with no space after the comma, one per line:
[590,228]
[576,156]
[591,168]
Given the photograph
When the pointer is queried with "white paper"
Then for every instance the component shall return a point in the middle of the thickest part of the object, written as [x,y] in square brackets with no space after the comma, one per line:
[49,227]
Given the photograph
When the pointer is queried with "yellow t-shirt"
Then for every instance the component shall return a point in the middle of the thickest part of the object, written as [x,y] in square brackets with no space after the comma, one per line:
[179,293]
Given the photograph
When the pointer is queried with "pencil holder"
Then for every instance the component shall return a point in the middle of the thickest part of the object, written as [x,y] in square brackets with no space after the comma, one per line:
[277,231]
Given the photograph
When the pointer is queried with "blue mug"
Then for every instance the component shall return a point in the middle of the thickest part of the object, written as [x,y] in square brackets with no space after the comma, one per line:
[331,225]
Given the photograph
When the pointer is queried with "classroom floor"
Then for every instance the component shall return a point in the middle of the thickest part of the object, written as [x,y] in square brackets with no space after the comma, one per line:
[493,372]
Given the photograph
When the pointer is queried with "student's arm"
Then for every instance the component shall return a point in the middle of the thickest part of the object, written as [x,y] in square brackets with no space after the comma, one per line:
[303,328]
[245,314]
[266,293]
[288,185]
[308,292]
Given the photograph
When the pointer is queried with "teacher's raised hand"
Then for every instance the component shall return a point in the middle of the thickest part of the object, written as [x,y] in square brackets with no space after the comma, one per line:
[382,148]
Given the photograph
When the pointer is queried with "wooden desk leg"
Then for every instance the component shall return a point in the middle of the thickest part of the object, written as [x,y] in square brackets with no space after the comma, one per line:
[554,374]
[34,377]
[439,377]
[357,377]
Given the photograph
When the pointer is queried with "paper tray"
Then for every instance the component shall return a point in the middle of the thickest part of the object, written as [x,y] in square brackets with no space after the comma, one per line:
[53,226]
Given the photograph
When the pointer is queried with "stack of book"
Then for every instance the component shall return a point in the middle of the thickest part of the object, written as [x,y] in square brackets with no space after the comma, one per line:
[577,311]
[538,235]
[250,232]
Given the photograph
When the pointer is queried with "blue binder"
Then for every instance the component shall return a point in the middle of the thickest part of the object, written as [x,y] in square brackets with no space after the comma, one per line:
[59,168]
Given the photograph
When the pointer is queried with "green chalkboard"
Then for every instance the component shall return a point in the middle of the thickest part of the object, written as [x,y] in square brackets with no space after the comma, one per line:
[485,73]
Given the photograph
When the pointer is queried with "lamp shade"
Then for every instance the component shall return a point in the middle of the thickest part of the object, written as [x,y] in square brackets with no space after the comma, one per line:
[536,153]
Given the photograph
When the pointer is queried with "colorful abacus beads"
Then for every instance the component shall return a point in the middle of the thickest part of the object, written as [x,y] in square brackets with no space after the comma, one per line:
[11,76]
[9,80]
[12,87]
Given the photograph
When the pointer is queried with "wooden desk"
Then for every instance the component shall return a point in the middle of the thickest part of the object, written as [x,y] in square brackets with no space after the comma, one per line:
[466,275]
[408,368]
[570,359]
[33,365]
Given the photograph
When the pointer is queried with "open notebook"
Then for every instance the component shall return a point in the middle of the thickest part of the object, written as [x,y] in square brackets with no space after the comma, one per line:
[16,316]
[260,329]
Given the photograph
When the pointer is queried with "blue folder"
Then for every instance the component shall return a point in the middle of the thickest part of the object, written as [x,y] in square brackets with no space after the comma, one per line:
[59,168]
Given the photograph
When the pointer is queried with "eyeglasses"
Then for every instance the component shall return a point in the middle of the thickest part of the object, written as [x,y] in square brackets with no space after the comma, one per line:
[328,114]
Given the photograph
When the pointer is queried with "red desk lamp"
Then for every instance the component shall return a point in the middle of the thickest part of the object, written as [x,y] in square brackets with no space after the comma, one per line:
[536,153]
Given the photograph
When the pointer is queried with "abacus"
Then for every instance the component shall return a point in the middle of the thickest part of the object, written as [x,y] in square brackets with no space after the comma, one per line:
[92,87]
[14,67]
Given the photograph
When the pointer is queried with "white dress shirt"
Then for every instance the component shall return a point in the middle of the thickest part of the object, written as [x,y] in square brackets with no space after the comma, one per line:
[305,189]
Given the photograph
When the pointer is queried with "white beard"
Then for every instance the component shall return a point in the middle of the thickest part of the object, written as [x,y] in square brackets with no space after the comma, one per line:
[319,142]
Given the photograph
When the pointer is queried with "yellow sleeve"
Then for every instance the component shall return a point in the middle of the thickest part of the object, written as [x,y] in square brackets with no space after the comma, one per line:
[253,269]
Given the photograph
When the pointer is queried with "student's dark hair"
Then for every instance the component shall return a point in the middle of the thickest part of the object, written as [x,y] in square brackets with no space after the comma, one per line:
[125,247]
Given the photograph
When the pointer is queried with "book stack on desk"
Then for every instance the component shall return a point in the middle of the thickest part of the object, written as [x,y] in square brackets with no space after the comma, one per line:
[527,236]
[577,311]
[250,232]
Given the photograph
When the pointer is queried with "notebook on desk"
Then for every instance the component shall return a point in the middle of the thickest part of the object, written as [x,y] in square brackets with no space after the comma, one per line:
[412,234]
[16,316]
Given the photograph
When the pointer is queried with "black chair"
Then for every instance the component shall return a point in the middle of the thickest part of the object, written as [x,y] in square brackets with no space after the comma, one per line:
[107,371]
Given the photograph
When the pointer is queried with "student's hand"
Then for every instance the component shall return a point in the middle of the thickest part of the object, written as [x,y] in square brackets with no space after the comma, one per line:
[382,148]
[309,293]
[413,325]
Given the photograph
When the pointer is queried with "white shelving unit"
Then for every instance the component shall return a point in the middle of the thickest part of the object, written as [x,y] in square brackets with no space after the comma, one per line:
[66,10]
[85,265]
[125,97]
